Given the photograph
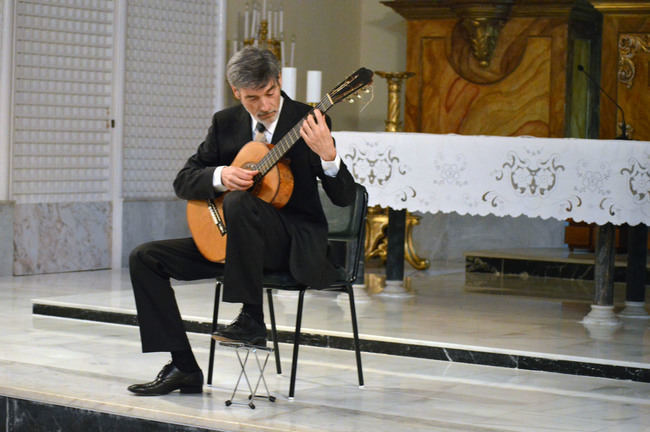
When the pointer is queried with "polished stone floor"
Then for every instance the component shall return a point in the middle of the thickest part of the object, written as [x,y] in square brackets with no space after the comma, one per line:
[89,364]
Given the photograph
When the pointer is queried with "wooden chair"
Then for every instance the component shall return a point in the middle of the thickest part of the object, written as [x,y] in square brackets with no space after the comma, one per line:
[346,224]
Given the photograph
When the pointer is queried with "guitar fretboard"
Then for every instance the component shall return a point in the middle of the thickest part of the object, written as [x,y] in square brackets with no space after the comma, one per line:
[288,140]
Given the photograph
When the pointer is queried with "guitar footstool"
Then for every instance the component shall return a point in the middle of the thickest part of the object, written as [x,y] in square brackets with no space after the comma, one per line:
[258,351]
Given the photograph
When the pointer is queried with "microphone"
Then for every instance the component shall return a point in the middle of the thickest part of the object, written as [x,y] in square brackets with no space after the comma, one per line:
[623,130]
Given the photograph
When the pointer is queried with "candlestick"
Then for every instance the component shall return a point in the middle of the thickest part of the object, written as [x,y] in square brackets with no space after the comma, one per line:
[262,28]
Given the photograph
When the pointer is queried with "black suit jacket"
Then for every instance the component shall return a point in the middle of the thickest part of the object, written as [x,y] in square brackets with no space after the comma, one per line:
[230,131]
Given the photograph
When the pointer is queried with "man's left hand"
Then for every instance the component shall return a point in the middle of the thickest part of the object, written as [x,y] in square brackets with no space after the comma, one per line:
[318,137]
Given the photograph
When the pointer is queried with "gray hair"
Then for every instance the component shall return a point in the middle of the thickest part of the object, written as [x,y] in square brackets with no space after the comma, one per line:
[252,67]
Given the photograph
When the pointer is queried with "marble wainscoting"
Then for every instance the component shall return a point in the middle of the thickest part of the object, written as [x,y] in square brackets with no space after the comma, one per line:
[445,237]
[62,237]
[6,237]
[21,415]
[147,220]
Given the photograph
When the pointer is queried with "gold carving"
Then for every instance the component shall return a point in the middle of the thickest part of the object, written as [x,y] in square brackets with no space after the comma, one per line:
[409,249]
[628,46]
[377,242]
[482,22]
[482,34]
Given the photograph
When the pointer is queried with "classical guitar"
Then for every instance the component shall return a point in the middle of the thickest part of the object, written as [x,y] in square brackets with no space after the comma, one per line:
[273,183]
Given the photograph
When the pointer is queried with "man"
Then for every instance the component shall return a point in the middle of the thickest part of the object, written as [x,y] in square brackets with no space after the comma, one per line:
[259,236]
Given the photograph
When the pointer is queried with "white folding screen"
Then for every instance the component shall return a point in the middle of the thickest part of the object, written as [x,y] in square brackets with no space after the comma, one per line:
[2,9]
[171,72]
[62,99]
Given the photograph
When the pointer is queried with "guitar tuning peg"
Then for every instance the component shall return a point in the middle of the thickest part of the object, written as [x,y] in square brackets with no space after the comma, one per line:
[358,95]
[367,89]
[351,100]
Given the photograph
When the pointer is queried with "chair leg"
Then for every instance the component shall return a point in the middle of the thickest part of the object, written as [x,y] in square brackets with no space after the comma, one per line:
[215,316]
[355,331]
[274,332]
[296,345]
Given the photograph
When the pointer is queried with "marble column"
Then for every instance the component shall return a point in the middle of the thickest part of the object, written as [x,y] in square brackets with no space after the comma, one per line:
[6,237]
[637,258]
[395,254]
[602,309]
[6,71]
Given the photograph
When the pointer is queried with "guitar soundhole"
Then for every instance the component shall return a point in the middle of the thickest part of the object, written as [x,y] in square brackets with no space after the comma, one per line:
[249,166]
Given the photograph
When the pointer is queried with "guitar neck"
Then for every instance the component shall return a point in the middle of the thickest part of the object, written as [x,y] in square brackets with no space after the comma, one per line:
[289,139]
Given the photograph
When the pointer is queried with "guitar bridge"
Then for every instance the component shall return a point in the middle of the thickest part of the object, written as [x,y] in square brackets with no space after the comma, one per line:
[216,217]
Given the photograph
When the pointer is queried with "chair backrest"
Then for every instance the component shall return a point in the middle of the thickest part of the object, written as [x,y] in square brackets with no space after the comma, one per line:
[347,224]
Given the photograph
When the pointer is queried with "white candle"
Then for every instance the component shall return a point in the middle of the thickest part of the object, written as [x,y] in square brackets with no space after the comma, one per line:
[275,25]
[289,81]
[254,26]
[234,47]
[282,52]
[246,23]
[293,49]
[314,78]
[270,21]
[281,21]
[263,8]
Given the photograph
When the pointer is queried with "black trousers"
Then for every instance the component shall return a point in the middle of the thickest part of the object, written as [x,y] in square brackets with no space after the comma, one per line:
[257,240]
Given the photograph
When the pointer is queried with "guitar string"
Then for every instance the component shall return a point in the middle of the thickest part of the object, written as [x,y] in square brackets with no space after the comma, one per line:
[290,138]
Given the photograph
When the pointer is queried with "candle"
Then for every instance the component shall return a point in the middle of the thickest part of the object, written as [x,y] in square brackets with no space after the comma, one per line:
[275,25]
[246,23]
[234,46]
[270,20]
[281,21]
[263,8]
[282,52]
[289,81]
[314,79]
[254,24]
[293,49]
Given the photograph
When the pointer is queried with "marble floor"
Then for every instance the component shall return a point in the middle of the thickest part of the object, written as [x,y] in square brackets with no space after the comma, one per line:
[88,365]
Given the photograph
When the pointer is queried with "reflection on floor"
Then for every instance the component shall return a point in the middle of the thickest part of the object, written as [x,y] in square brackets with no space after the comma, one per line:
[482,320]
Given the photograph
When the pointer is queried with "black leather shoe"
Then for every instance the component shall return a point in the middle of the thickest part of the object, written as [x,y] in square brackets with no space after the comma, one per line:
[170,378]
[245,329]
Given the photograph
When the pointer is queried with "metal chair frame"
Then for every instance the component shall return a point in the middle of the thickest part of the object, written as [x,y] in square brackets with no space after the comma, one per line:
[352,232]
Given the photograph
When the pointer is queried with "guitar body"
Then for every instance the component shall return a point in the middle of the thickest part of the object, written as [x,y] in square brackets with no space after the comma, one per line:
[275,188]
[274,184]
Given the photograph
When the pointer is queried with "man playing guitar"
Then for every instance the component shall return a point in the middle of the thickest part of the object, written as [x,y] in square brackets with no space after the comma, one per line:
[260,236]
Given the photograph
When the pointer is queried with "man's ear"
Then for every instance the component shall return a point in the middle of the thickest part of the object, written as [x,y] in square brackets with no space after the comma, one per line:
[235,92]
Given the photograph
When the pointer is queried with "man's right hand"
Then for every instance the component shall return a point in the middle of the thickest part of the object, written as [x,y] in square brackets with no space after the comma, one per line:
[236,178]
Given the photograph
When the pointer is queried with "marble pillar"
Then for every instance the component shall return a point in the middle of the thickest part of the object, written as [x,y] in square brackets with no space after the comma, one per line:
[61,237]
[602,309]
[637,258]
[6,237]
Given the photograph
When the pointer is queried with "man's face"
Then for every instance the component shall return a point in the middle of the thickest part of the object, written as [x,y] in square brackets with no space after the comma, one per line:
[262,103]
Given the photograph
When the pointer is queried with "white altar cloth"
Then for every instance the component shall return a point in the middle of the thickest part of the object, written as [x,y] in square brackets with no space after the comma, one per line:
[587,180]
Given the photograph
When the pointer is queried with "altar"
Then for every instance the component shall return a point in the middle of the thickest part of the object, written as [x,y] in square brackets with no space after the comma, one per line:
[606,182]
[595,181]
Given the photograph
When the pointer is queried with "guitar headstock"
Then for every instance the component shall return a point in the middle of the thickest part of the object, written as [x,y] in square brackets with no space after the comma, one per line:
[351,86]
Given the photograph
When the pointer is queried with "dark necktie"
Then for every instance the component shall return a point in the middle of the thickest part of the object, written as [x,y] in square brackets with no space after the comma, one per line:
[259,133]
